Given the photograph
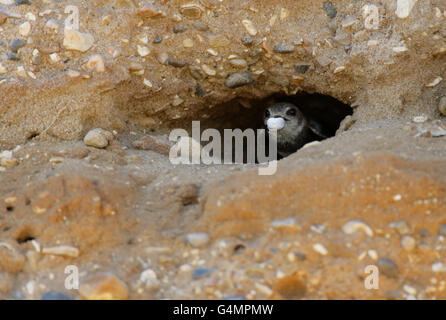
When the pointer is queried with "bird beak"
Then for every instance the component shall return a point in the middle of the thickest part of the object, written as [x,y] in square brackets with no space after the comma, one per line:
[275,123]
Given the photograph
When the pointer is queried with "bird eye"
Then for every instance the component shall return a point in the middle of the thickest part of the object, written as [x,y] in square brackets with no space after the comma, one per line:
[291,112]
[267,113]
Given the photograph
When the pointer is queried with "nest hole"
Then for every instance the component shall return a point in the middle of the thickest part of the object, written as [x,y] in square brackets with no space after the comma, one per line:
[25,235]
[242,113]
[246,113]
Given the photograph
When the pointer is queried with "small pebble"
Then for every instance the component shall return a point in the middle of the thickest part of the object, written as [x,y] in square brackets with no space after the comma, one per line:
[434,82]
[201,272]
[388,268]
[319,248]
[98,138]
[330,9]
[356,225]
[208,70]
[188,43]
[13,57]
[401,227]
[16,45]
[200,26]
[250,28]
[404,8]
[263,289]
[96,62]
[9,162]
[197,240]
[176,63]
[239,79]
[53,295]
[25,29]
[408,243]
[66,251]
[143,51]
[400,49]
[247,40]
[290,222]
[239,63]
[373,254]
[75,40]
[420,119]
[410,290]
[301,68]
[439,267]
[162,58]
[179,28]
[158,40]
[149,278]
[284,48]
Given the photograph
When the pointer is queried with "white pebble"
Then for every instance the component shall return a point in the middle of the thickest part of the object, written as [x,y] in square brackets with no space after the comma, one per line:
[2,69]
[250,28]
[25,28]
[404,7]
[197,239]
[263,289]
[98,138]
[434,82]
[410,290]
[357,225]
[30,16]
[148,83]
[148,275]
[439,267]
[373,254]
[420,119]
[143,51]
[67,251]
[319,248]
[54,57]
[75,40]
[96,62]
[408,243]
[283,223]
[400,49]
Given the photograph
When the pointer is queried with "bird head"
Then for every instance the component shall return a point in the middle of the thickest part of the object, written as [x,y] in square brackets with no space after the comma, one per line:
[284,117]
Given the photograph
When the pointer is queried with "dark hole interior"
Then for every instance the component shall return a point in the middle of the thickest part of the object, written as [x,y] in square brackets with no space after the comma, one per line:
[32,135]
[25,235]
[9,208]
[26,239]
[239,248]
[246,113]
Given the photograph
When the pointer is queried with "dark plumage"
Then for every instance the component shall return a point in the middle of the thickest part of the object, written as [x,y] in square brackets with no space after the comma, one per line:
[294,130]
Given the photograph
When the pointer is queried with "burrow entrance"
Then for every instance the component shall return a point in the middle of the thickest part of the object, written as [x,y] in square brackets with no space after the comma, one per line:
[243,113]
[248,113]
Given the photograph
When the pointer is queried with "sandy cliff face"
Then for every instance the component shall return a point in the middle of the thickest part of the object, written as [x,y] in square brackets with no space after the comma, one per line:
[136,226]
[159,64]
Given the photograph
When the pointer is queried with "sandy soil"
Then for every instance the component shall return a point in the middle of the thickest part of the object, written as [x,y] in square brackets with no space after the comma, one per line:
[128,211]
